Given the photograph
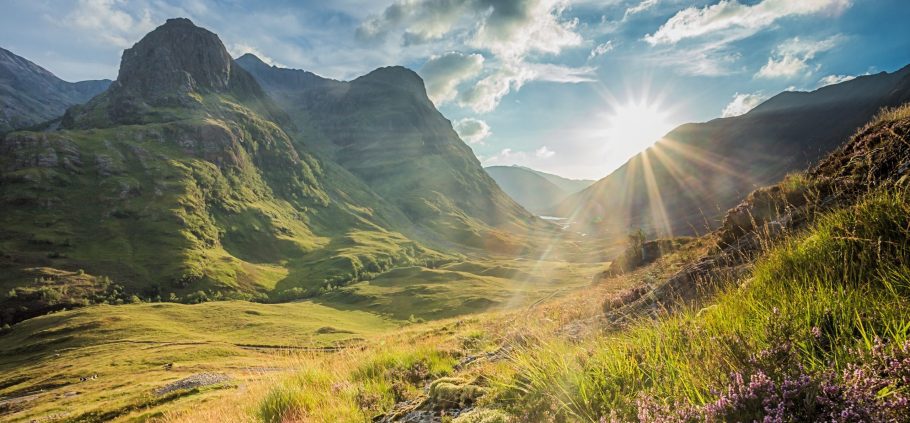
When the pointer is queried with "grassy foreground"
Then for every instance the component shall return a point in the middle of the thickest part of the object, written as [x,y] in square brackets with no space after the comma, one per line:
[129,353]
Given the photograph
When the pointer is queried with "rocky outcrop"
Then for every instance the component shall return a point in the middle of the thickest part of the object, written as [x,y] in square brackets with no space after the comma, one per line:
[179,58]
[169,68]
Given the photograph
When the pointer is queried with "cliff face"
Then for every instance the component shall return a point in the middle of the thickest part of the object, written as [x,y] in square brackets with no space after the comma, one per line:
[169,68]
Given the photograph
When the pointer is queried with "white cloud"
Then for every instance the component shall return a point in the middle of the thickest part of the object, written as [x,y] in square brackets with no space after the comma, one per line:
[640,7]
[834,79]
[513,28]
[443,73]
[544,153]
[111,21]
[557,73]
[744,20]
[507,157]
[485,95]
[790,58]
[472,131]
[742,103]
[601,49]
[504,32]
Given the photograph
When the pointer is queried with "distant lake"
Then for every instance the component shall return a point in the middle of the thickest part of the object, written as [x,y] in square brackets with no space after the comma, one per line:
[553,218]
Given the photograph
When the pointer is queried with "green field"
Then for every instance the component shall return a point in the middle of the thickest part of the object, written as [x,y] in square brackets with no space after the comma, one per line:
[128,346]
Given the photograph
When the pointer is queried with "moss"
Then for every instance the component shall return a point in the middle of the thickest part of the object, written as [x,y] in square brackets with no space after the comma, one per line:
[452,392]
[482,415]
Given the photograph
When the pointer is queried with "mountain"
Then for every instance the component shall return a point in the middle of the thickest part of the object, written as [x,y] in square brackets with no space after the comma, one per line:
[30,95]
[185,180]
[536,191]
[384,129]
[683,183]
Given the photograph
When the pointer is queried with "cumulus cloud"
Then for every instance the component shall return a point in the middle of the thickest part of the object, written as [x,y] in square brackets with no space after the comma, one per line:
[503,32]
[742,103]
[731,16]
[425,20]
[791,58]
[601,49]
[111,21]
[513,28]
[472,131]
[485,95]
[443,73]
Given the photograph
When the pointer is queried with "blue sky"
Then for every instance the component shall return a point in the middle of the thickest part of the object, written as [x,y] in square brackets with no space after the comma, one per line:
[551,84]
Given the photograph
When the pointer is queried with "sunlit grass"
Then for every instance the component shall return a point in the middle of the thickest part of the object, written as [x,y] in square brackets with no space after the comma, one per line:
[846,277]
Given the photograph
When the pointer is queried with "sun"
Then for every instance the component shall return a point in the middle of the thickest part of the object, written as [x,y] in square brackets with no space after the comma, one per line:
[635,126]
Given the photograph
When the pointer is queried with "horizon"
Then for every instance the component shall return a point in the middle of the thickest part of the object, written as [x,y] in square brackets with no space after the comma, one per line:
[543,84]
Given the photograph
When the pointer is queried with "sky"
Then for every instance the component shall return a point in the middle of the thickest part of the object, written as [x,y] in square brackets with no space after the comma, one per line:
[572,87]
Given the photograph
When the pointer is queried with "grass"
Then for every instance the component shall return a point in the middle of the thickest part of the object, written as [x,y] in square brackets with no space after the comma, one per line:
[814,304]
[263,347]
[128,346]
[847,277]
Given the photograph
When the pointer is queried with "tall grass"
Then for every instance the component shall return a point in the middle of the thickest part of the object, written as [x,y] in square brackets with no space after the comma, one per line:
[355,386]
[815,303]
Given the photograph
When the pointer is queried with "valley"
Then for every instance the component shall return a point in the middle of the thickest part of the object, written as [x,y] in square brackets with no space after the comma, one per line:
[215,236]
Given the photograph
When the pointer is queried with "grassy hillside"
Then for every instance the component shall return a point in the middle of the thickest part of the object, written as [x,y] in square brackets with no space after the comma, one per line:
[240,349]
[799,313]
[187,191]
[383,128]
[685,182]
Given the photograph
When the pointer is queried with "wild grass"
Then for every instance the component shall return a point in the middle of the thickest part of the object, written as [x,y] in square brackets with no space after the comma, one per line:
[891,114]
[814,303]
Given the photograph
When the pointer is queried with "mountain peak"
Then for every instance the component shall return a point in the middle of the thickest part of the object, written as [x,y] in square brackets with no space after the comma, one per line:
[398,76]
[251,59]
[176,57]
[167,68]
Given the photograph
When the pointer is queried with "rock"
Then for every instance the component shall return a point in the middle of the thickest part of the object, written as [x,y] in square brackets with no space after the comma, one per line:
[169,67]
[194,381]
[447,397]
[451,392]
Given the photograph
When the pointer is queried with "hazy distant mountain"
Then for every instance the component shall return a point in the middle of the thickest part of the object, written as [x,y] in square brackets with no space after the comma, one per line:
[684,182]
[383,128]
[535,190]
[29,94]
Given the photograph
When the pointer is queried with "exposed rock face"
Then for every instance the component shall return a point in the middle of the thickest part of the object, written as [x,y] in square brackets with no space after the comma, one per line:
[29,94]
[178,58]
[167,68]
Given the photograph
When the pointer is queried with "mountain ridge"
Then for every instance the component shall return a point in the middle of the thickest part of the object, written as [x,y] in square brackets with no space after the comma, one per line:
[683,183]
[30,94]
[383,128]
[536,191]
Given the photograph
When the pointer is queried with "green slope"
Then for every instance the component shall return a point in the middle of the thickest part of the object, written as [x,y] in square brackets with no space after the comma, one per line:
[383,128]
[179,182]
